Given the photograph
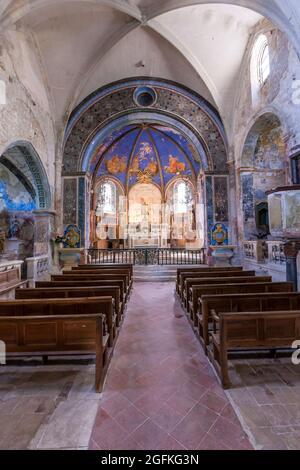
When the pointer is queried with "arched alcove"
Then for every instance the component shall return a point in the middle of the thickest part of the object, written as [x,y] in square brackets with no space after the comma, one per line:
[24,198]
[263,167]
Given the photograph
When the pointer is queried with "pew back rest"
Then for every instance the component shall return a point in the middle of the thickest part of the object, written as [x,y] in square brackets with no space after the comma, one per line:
[226,289]
[68,292]
[228,280]
[205,269]
[90,277]
[92,283]
[251,302]
[89,267]
[196,292]
[52,333]
[220,274]
[98,271]
[259,329]
[74,306]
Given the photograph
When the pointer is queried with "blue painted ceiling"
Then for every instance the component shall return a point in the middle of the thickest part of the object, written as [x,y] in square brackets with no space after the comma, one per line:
[160,153]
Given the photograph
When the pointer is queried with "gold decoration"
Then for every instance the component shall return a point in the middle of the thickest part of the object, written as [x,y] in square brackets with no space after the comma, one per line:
[144,176]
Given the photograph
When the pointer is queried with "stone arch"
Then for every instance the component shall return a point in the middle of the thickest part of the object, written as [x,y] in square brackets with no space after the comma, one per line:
[114,107]
[24,162]
[24,202]
[263,165]
[115,100]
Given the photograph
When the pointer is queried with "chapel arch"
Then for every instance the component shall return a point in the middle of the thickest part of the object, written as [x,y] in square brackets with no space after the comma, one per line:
[263,167]
[24,202]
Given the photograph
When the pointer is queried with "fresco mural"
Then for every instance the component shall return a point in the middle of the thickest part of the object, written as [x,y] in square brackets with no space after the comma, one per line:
[13,195]
[18,228]
[146,153]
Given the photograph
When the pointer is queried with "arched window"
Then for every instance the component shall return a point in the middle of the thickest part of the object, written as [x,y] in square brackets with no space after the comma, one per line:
[263,64]
[182,197]
[260,64]
[107,198]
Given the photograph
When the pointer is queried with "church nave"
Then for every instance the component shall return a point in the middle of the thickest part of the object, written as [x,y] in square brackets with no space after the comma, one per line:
[161,391]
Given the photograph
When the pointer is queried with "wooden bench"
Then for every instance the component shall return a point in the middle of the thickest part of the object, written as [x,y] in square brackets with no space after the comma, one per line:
[218,289]
[94,277]
[189,282]
[251,331]
[125,271]
[202,269]
[74,306]
[221,274]
[254,302]
[97,283]
[69,292]
[10,280]
[56,335]
[104,266]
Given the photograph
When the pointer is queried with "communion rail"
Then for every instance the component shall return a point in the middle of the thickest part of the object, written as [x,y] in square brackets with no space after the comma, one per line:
[147,256]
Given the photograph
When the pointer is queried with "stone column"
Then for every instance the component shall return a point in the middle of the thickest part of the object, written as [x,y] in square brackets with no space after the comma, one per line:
[291,250]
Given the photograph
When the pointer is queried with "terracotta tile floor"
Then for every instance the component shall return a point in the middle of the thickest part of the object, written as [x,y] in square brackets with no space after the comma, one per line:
[160,391]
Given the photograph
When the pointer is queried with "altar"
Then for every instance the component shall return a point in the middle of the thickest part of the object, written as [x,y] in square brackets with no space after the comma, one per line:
[145,216]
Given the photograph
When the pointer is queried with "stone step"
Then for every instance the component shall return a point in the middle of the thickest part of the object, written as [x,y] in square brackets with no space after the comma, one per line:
[155,273]
[144,272]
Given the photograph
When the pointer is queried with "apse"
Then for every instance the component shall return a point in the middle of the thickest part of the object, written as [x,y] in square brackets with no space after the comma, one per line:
[146,153]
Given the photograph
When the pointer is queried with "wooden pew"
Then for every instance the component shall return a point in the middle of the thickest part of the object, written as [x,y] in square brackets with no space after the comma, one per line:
[10,280]
[74,306]
[103,266]
[94,277]
[251,331]
[97,283]
[203,269]
[189,282]
[57,334]
[69,292]
[254,302]
[222,274]
[102,271]
[218,289]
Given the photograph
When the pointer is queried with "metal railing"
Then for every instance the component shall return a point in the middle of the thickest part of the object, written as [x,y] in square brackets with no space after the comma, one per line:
[147,256]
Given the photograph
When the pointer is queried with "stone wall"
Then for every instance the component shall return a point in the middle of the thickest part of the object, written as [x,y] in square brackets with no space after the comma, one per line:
[23,119]
[262,159]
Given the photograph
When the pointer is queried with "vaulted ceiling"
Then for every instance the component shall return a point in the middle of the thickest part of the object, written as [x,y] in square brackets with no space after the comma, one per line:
[65,49]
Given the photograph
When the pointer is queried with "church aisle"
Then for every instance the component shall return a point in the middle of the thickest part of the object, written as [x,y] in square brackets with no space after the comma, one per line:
[161,392]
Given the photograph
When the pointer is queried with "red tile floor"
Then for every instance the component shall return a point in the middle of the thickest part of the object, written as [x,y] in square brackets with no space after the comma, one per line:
[161,392]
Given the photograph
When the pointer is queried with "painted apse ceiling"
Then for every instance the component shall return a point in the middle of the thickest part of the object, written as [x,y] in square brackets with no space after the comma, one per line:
[145,153]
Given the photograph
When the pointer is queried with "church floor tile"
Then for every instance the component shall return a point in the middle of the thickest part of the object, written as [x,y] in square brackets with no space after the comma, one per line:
[159,367]
[160,392]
